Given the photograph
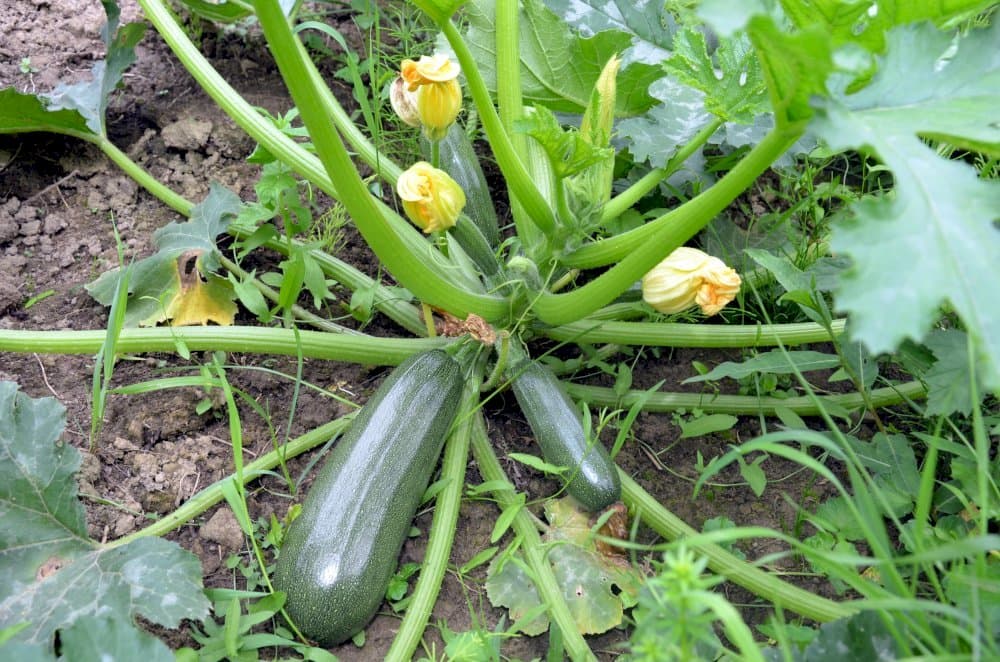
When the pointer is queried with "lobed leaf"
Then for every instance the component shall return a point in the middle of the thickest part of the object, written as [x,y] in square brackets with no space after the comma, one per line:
[650,24]
[55,575]
[933,239]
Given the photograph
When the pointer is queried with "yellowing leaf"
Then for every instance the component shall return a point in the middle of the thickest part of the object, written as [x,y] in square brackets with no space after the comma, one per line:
[198,301]
[597,582]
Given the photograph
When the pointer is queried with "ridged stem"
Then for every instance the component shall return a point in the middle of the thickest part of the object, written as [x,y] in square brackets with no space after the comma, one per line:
[362,349]
[679,334]
[518,180]
[749,576]
[534,551]
[627,199]
[396,243]
[803,405]
[638,251]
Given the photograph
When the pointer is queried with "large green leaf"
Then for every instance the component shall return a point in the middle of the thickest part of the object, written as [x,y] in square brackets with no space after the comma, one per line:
[21,113]
[650,24]
[730,76]
[863,636]
[558,67]
[53,573]
[933,239]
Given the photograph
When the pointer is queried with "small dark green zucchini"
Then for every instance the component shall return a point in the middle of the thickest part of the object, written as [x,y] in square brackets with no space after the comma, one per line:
[341,551]
[555,420]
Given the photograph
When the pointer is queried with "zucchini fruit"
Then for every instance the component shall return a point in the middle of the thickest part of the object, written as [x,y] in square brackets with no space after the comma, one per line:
[341,551]
[592,476]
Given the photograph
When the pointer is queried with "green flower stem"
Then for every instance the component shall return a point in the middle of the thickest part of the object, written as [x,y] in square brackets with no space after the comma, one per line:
[803,405]
[640,250]
[442,533]
[411,267]
[627,199]
[518,180]
[212,494]
[739,572]
[246,116]
[147,181]
[366,350]
[679,334]
[679,224]
[301,313]
[532,547]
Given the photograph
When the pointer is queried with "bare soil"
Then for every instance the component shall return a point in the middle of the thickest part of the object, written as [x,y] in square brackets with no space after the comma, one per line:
[58,200]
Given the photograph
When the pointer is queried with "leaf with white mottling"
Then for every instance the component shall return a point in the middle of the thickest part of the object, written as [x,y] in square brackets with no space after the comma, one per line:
[650,23]
[934,238]
[558,68]
[657,135]
[54,574]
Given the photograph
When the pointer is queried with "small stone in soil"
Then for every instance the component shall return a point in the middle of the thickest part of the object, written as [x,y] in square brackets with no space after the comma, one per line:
[223,528]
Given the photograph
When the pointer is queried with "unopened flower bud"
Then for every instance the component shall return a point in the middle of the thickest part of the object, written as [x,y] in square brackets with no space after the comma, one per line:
[689,277]
[404,102]
[437,106]
[431,198]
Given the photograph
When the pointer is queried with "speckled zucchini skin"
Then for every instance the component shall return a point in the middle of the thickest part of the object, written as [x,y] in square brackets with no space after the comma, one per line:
[340,553]
[555,420]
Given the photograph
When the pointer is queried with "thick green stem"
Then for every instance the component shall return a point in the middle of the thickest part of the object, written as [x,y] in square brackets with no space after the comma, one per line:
[518,180]
[246,116]
[392,239]
[442,534]
[534,551]
[212,494]
[750,577]
[803,405]
[679,334]
[640,250]
[147,181]
[366,350]
[627,199]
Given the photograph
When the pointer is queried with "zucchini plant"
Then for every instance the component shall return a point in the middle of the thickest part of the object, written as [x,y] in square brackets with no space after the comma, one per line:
[568,268]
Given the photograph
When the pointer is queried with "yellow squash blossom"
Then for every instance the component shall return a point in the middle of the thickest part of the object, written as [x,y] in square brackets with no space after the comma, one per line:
[431,198]
[689,277]
[434,81]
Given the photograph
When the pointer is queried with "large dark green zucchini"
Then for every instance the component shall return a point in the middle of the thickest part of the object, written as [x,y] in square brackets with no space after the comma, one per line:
[340,553]
[555,420]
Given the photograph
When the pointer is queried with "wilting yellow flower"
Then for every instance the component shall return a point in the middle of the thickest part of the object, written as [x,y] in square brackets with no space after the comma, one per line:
[689,277]
[429,69]
[404,102]
[434,81]
[431,198]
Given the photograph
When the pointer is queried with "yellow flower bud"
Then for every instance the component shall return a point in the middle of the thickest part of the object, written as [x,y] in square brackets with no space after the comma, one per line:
[404,102]
[438,105]
[431,198]
[689,277]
